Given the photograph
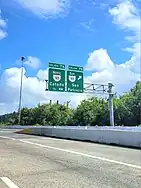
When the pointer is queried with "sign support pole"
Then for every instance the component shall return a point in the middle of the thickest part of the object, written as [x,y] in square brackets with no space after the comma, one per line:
[74,82]
[111,108]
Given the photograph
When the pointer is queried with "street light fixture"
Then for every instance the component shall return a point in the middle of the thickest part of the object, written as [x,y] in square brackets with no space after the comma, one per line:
[21,85]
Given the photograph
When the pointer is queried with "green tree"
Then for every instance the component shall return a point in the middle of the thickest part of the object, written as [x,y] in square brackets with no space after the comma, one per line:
[93,111]
[128,108]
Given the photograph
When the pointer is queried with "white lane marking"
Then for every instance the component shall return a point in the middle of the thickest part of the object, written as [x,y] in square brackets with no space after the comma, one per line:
[77,153]
[56,139]
[9,138]
[82,154]
[8,182]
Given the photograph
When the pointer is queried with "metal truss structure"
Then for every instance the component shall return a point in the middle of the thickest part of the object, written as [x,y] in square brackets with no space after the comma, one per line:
[90,88]
[95,88]
[99,89]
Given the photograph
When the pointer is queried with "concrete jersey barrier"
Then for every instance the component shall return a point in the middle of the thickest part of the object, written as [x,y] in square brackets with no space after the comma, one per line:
[109,136]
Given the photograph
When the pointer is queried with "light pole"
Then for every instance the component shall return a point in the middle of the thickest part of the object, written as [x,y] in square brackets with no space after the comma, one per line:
[21,85]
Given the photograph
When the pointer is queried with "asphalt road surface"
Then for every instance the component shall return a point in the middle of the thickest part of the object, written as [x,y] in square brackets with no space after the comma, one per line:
[41,162]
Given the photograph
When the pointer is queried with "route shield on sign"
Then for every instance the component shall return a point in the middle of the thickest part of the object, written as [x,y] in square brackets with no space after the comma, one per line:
[75,82]
[56,80]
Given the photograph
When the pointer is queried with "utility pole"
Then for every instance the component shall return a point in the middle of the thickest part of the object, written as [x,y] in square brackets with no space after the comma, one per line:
[68,102]
[50,103]
[111,109]
[21,85]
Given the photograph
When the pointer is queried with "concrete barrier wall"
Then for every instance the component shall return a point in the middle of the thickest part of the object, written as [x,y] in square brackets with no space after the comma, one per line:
[137,128]
[118,137]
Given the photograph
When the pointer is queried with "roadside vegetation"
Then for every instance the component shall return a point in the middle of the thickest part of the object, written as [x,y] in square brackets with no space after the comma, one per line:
[94,111]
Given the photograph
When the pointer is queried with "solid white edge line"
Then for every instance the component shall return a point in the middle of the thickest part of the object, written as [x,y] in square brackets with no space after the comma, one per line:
[57,139]
[9,138]
[8,182]
[77,153]
[83,154]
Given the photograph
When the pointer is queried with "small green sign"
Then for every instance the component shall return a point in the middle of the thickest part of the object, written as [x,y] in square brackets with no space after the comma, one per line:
[57,66]
[75,81]
[56,81]
[75,68]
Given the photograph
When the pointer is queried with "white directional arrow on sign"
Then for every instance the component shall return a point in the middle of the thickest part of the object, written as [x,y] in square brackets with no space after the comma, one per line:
[80,77]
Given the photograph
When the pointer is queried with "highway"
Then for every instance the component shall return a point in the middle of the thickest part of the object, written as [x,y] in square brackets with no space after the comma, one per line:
[40,162]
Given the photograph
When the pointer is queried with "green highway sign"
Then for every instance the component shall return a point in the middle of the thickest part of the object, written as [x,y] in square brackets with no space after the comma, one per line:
[56,81]
[75,81]
[75,68]
[56,66]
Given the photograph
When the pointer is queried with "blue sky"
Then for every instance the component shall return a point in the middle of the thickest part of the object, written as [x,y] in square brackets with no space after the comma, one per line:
[89,33]
[63,40]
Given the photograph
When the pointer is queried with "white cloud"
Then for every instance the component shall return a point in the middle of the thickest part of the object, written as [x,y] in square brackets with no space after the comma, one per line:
[99,60]
[45,8]
[126,16]
[88,25]
[42,74]
[124,75]
[33,91]
[33,62]
[3,25]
